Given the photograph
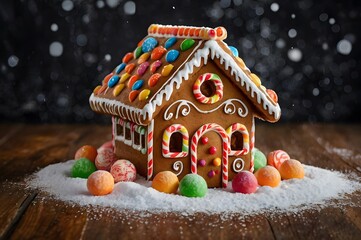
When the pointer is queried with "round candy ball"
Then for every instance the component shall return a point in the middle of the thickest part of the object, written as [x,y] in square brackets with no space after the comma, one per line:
[86,151]
[276,158]
[105,159]
[82,168]
[166,182]
[260,159]
[244,182]
[291,168]
[108,145]
[123,171]
[193,185]
[268,176]
[100,183]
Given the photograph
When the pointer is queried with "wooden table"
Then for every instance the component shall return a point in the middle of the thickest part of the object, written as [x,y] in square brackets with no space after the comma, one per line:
[26,214]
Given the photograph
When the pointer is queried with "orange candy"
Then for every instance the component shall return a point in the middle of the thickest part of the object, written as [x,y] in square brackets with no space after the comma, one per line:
[268,176]
[133,95]
[127,57]
[158,52]
[106,79]
[166,182]
[132,80]
[129,68]
[100,183]
[292,168]
[86,151]
[152,81]
[272,94]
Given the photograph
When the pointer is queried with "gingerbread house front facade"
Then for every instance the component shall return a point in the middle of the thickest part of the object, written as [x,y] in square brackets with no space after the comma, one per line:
[184,101]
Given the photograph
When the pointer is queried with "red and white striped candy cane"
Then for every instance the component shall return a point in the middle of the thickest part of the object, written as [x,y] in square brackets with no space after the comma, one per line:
[237,127]
[166,140]
[150,149]
[197,88]
[225,146]
[251,147]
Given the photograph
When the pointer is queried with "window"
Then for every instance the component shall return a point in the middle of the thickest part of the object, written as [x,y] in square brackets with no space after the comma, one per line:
[175,141]
[239,138]
[208,88]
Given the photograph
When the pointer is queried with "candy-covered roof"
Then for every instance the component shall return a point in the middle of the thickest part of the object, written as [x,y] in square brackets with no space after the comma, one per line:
[164,59]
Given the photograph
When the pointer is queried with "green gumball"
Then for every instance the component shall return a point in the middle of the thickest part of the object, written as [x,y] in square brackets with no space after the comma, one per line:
[260,159]
[82,168]
[193,185]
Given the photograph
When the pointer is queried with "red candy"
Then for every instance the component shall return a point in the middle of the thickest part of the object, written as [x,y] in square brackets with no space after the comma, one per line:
[244,182]
[158,52]
[276,158]
[204,140]
[123,171]
[105,159]
[127,57]
[152,81]
[155,66]
[212,150]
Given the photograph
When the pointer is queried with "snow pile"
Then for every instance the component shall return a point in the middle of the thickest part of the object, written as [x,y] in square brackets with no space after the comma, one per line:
[317,188]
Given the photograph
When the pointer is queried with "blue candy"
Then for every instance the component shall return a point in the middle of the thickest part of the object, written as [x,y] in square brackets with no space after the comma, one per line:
[170,42]
[149,44]
[120,68]
[172,55]
[113,81]
[233,50]
[138,85]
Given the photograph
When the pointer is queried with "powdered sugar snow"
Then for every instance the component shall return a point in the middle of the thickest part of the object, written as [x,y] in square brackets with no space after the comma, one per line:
[317,188]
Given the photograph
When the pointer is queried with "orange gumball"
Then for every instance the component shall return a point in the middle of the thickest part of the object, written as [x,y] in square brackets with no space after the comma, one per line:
[166,182]
[268,176]
[86,151]
[100,183]
[291,169]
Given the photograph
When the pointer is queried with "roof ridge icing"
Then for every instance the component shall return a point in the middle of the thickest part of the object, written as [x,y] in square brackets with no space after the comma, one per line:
[205,33]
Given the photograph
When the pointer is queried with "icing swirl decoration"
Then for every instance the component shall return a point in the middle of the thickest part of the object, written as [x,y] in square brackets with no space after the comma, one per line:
[217,83]
[238,165]
[178,167]
[184,108]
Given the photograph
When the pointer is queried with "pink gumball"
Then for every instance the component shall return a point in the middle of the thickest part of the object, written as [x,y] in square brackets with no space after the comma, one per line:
[244,182]
[107,145]
[105,159]
[123,171]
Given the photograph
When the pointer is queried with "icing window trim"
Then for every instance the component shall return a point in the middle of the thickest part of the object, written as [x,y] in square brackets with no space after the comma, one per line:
[166,141]
[238,127]
[218,94]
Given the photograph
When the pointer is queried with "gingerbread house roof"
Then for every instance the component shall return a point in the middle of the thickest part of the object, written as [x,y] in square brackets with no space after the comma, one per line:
[164,59]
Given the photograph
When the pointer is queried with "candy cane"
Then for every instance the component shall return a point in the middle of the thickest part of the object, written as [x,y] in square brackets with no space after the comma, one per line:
[150,150]
[225,138]
[242,129]
[251,167]
[218,33]
[197,88]
[166,140]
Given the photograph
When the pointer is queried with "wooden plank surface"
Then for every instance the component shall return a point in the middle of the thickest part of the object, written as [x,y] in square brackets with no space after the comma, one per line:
[28,214]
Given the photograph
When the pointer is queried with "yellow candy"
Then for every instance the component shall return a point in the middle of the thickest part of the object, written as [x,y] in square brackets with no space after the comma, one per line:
[96,89]
[144,57]
[143,95]
[217,162]
[263,88]
[255,79]
[166,182]
[241,62]
[118,89]
[167,69]
[124,77]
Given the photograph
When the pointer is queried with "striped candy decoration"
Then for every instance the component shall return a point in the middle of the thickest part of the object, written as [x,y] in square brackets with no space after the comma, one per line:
[225,146]
[242,129]
[150,149]
[166,140]
[197,88]
[276,158]
[251,167]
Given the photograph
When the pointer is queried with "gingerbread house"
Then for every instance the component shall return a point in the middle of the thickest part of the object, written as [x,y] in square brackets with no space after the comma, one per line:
[184,101]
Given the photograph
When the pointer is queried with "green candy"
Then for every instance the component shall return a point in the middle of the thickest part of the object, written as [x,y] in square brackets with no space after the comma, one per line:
[193,185]
[137,52]
[260,159]
[187,44]
[82,168]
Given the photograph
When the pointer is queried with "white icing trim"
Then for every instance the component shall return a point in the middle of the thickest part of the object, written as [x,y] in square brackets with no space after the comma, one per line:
[236,165]
[211,49]
[229,108]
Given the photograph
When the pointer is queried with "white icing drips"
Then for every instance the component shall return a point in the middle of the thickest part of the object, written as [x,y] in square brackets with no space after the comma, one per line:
[184,108]
[211,49]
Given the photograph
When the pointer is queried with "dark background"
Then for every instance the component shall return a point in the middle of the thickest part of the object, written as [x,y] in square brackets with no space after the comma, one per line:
[53,53]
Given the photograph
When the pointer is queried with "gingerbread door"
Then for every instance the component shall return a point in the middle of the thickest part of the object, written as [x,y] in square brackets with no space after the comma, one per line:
[209,154]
